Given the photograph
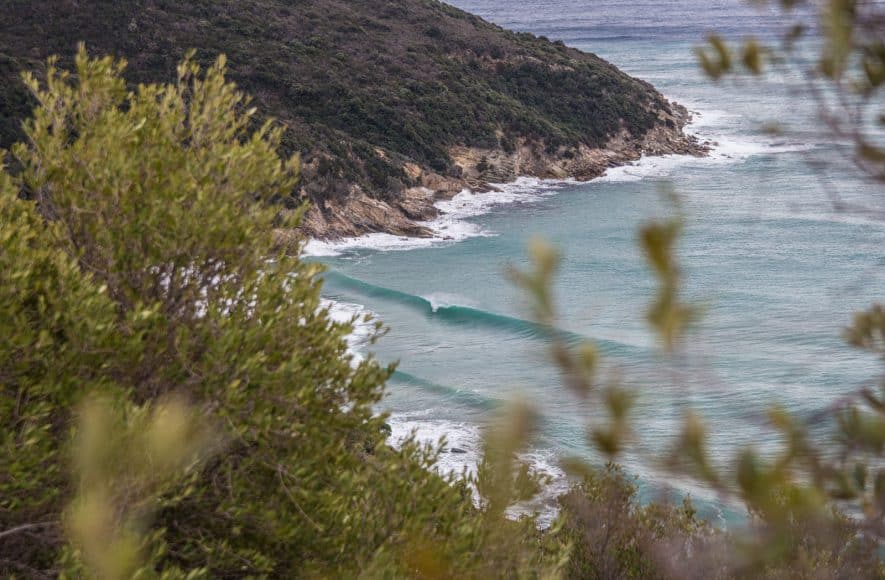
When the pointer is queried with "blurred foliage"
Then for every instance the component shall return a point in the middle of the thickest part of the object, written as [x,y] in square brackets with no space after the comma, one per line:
[130,460]
[668,315]
[814,511]
[837,49]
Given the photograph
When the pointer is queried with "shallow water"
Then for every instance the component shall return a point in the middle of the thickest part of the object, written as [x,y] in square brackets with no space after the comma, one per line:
[778,271]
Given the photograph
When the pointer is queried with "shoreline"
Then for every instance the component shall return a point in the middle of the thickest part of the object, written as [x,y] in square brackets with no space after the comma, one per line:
[450,221]
[412,212]
[446,222]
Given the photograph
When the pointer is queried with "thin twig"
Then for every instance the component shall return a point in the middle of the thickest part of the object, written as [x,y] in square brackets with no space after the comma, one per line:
[24,528]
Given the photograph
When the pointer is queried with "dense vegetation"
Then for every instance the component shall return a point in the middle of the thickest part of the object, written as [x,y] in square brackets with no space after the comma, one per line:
[411,77]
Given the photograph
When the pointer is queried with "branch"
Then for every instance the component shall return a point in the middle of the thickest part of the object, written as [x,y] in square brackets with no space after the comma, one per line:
[24,528]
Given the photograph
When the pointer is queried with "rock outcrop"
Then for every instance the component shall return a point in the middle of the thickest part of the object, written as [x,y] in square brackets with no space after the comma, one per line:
[359,213]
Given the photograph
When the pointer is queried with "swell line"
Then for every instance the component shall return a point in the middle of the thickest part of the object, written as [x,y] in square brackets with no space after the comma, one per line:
[469,398]
[473,317]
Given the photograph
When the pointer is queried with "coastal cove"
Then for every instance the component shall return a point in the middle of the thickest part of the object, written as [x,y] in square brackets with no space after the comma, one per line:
[778,270]
[437,289]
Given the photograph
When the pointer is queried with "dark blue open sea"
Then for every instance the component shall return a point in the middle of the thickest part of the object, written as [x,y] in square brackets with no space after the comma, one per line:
[779,271]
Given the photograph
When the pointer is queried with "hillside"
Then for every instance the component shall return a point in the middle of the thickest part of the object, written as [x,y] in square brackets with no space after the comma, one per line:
[392,103]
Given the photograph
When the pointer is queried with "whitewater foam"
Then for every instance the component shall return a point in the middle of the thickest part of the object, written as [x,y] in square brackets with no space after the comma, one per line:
[462,453]
[355,315]
[452,225]
[729,144]
[439,300]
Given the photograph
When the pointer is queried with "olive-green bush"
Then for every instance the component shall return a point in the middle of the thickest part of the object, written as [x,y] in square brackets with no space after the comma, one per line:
[175,398]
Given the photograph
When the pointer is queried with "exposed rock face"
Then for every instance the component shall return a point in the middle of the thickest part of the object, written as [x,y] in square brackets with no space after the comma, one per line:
[360,213]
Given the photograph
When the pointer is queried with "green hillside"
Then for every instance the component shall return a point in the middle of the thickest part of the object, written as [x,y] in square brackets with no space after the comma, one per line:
[363,86]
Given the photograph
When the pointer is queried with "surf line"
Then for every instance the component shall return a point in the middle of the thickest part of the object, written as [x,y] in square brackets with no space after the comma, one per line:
[336,283]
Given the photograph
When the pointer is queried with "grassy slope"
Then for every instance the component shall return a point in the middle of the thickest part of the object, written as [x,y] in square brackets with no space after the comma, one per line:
[412,77]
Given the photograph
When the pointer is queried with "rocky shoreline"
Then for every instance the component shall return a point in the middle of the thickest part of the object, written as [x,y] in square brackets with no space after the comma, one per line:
[358,213]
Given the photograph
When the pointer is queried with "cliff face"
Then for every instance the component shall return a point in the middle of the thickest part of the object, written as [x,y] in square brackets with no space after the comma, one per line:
[392,103]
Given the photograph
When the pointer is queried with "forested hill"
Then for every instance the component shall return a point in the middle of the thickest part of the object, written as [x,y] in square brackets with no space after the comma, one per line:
[379,95]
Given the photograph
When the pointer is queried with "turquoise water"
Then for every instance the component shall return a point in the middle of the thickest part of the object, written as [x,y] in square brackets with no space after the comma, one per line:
[779,271]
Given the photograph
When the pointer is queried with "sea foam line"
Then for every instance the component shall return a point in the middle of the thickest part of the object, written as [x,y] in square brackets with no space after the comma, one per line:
[453,224]
[463,449]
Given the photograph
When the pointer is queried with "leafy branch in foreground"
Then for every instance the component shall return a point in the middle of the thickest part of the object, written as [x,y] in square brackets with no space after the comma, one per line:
[130,461]
[836,49]
[816,509]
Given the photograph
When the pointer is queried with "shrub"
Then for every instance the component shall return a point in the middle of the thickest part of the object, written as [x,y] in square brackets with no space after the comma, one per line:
[140,277]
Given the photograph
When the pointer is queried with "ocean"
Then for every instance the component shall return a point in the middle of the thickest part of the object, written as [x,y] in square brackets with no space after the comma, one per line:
[778,271]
